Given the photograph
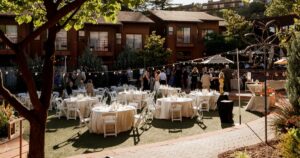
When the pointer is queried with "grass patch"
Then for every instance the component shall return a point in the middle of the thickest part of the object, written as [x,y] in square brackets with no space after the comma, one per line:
[64,137]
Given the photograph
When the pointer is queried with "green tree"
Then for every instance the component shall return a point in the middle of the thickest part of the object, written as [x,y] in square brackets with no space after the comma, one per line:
[154,52]
[237,24]
[51,15]
[90,62]
[255,10]
[279,7]
[128,58]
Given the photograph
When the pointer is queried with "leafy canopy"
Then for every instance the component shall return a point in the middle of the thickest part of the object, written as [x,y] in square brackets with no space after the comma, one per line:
[34,11]
[237,25]
[280,7]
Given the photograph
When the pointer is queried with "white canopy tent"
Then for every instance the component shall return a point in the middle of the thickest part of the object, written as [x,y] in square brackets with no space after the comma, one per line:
[217,59]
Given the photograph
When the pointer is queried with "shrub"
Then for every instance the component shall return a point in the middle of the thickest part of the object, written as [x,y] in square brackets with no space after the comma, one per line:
[240,154]
[285,117]
[6,113]
[290,144]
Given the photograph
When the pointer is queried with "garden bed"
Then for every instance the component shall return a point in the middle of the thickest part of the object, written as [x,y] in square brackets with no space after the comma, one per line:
[256,151]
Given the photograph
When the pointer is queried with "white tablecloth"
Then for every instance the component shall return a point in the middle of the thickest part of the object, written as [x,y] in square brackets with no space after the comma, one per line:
[212,96]
[132,96]
[257,103]
[255,88]
[168,91]
[125,118]
[83,104]
[164,104]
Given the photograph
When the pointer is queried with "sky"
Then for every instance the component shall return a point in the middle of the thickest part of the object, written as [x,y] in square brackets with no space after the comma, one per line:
[188,1]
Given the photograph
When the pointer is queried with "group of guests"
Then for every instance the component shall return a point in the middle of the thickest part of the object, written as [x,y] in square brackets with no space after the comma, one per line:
[184,78]
[75,80]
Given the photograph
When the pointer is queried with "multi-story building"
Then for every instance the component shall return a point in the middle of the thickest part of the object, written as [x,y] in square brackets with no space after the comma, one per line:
[184,31]
[222,4]
[104,39]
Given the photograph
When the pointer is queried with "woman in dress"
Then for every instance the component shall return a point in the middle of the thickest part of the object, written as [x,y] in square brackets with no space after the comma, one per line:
[221,82]
[194,75]
[89,88]
[146,79]
[156,79]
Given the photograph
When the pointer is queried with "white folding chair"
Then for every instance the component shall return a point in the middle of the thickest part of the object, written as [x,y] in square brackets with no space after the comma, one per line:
[151,108]
[60,108]
[110,119]
[176,114]
[204,104]
[71,110]
[82,120]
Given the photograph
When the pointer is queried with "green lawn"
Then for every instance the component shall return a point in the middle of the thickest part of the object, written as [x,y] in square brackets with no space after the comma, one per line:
[64,137]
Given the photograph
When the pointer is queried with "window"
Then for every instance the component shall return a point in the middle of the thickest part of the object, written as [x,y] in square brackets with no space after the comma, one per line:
[134,41]
[99,41]
[184,35]
[81,33]
[11,32]
[221,6]
[204,7]
[170,30]
[61,40]
[119,38]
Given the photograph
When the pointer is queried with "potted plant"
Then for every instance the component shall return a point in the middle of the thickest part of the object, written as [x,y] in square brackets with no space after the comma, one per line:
[6,113]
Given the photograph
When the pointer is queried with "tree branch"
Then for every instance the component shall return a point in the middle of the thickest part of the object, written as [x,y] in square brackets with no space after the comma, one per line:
[52,21]
[13,100]
[27,77]
[6,40]
[69,18]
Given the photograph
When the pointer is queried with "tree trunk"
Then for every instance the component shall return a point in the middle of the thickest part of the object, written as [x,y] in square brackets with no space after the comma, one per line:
[37,140]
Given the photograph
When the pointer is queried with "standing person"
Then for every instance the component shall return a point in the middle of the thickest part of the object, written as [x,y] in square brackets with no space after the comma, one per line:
[178,75]
[146,80]
[194,75]
[168,72]
[156,79]
[89,87]
[69,88]
[221,82]
[185,76]
[163,77]
[205,79]
[227,77]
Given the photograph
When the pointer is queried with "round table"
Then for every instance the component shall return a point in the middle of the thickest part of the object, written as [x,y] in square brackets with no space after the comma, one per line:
[168,91]
[212,96]
[125,118]
[164,104]
[83,104]
[132,96]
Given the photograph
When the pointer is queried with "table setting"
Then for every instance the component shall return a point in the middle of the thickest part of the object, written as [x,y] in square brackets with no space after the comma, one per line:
[125,117]
[164,105]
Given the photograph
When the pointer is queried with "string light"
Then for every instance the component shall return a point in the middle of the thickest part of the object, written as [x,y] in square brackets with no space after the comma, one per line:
[6,72]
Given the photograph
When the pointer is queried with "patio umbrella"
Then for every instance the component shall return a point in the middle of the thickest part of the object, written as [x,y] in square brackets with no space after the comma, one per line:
[217,59]
[282,61]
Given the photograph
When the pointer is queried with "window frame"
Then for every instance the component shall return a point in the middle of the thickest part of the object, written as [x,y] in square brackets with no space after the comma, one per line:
[61,40]
[182,38]
[134,45]
[102,36]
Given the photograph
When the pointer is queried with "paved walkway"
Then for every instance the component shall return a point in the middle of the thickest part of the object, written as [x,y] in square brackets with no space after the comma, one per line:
[11,149]
[207,145]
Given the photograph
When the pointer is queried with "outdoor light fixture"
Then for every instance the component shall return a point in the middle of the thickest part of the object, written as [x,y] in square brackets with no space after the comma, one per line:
[263,42]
